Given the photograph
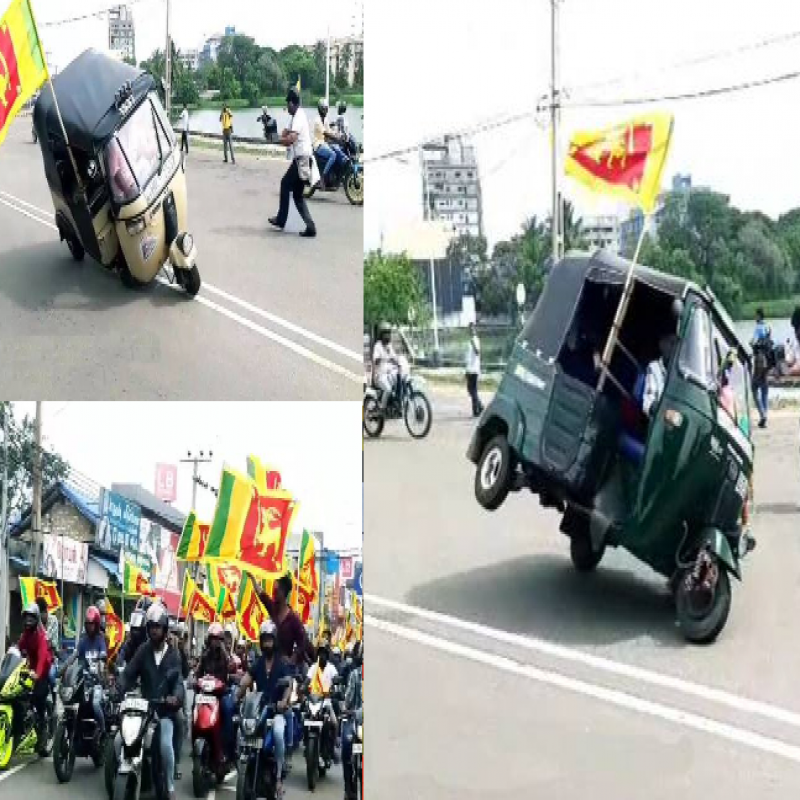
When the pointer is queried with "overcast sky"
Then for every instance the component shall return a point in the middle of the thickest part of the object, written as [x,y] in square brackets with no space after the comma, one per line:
[438,66]
[273,24]
[316,446]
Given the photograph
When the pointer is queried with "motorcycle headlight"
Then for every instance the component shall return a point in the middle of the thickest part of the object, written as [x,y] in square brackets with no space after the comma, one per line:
[187,244]
[249,726]
[130,728]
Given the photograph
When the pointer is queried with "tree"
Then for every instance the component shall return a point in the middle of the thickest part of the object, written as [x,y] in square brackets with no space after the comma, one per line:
[343,67]
[229,86]
[392,286]
[185,90]
[358,77]
[270,74]
[21,450]
[321,65]
[298,62]
[131,61]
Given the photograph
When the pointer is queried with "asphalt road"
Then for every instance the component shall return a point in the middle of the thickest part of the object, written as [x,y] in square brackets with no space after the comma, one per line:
[278,317]
[498,671]
[36,779]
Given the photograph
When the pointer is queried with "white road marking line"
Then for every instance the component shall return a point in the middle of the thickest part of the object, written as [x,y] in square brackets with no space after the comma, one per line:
[256,328]
[630,702]
[48,214]
[708,693]
[9,772]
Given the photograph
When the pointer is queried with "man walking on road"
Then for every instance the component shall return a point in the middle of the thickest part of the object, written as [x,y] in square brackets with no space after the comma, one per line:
[473,369]
[297,137]
[226,118]
[183,127]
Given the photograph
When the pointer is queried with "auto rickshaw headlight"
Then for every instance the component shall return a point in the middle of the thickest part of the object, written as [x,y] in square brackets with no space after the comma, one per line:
[136,226]
[186,244]
[91,169]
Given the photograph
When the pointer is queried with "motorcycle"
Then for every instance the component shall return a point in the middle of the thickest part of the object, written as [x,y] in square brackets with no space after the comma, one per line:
[139,768]
[351,175]
[320,738]
[354,770]
[18,723]
[408,401]
[258,769]
[76,730]
[209,764]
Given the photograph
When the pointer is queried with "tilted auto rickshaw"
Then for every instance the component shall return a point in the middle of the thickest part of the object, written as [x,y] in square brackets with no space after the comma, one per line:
[126,206]
[568,422]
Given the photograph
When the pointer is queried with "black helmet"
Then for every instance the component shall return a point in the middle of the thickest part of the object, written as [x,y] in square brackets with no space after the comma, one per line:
[31,616]
[293,96]
[342,107]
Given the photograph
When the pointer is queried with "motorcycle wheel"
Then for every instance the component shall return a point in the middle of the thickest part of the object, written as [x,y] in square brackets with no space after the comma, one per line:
[124,787]
[244,780]
[63,754]
[702,625]
[110,767]
[418,415]
[354,188]
[99,752]
[312,764]
[45,747]
[373,419]
[6,742]
[199,780]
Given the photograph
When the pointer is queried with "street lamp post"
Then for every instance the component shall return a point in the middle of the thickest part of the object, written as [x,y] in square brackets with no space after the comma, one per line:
[520,300]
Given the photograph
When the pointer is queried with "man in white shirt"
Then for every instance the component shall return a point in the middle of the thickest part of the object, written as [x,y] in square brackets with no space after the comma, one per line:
[183,127]
[656,376]
[384,362]
[473,369]
[297,138]
[324,143]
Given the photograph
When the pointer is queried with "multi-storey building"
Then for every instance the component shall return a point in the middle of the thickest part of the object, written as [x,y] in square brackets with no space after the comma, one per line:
[121,34]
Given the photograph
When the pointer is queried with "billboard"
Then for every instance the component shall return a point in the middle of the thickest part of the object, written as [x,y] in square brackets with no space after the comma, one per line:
[118,529]
[346,568]
[166,482]
[65,558]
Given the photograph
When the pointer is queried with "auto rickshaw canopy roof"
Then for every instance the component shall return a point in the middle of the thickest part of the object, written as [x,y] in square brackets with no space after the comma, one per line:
[86,92]
[552,318]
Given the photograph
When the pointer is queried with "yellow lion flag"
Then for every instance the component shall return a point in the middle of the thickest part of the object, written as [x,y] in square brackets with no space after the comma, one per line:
[23,68]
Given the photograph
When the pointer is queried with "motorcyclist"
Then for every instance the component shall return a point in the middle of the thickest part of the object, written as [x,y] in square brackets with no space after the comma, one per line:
[267,673]
[92,650]
[33,645]
[180,717]
[137,635]
[343,127]
[50,625]
[215,662]
[327,674]
[384,364]
[158,667]
[326,143]
[102,607]
[353,702]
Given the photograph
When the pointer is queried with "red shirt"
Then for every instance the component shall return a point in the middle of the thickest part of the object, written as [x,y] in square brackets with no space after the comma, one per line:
[33,644]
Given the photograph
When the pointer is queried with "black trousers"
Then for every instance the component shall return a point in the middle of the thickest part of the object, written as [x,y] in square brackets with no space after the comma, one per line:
[292,185]
[39,696]
[184,142]
[472,389]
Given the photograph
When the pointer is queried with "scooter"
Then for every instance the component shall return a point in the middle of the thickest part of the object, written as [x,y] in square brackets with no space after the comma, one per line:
[209,764]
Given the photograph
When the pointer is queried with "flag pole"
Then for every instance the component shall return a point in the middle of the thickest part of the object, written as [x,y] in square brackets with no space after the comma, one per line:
[55,99]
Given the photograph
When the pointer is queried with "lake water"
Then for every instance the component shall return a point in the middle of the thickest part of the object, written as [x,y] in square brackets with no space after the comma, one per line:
[245,122]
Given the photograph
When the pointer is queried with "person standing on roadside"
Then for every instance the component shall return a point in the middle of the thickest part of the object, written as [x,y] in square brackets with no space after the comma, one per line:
[297,137]
[473,369]
[762,345]
[226,118]
[183,127]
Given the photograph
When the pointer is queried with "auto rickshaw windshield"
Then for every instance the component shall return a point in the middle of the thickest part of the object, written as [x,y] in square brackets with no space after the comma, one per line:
[136,152]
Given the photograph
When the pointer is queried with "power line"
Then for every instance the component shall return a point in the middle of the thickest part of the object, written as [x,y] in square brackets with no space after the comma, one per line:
[694,95]
[89,15]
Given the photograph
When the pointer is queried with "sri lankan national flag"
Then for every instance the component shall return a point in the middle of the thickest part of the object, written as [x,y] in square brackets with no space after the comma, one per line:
[317,686]
[250,612]
[134,581]
[221,593]
[186,594]
[625,161]
[115,633]
[201,606]
[31,589]
[265,477]
[307,567]
[194,538]
[250,529]
[22,64]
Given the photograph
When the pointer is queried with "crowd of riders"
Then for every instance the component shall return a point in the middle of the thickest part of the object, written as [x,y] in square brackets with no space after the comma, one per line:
[154,657]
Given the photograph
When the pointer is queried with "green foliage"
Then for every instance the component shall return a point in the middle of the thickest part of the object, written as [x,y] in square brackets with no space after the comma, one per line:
[21,450]
[392,286]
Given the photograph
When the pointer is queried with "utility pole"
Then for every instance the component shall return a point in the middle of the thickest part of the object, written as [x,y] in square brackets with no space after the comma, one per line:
[427,216]
[3,554]
[168,67]
[37,491]
[555,113]
[195,460]
[328,67]
[323,559]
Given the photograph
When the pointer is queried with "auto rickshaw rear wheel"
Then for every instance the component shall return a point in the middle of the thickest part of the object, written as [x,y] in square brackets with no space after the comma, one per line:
[493,474]
[75,247]
[584,557]
[702,612]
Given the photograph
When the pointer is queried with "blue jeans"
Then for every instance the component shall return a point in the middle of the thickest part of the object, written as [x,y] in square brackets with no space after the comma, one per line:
[97,708]
[167,753]
[348,732]
[52,676]
[761,392]
[325,152]
[279,737]
[340,154]
[227,708]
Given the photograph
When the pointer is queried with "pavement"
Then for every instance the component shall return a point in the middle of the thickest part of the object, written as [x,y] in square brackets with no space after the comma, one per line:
[36,778]
[500,672]
[278,317]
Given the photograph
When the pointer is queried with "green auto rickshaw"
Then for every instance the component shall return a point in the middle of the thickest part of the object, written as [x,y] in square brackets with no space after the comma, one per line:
[625,405]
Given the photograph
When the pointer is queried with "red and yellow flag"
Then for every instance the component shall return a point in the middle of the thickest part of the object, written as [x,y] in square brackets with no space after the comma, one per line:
[186,593]
[201,606]
[307,567]
[134,581]
[22,63]
[194,537]
[115,633]
[31,589]
[316,682]
[266,478]
[250,612]
[250,529]
[625,161]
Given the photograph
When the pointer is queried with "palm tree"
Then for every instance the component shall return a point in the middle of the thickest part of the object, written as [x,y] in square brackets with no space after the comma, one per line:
[573,229]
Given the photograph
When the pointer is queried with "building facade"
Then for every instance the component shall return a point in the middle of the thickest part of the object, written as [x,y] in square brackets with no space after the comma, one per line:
[121,33]
[602,232]
[190,58]
[210,49]
[355,44]
[451,186]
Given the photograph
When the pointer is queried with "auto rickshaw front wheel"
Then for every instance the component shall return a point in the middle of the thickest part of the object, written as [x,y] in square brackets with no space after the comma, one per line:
[702,607]
[493,474]
[584,557]
[126,276]
[190,280]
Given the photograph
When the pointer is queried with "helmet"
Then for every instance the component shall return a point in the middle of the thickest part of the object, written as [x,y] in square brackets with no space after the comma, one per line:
[93,616]
[267,629]
[293,96]
[157,617]
[214,631]
[342,106]
[322,104]
[31,616]
[383,328]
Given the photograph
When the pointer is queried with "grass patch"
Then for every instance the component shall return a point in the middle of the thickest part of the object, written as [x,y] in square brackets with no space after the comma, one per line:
[775,309]
[214,144]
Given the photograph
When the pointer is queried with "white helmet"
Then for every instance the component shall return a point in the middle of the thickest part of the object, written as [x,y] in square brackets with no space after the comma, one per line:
[267,629]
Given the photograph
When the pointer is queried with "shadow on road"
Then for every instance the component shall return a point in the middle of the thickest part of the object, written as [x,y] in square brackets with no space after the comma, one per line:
[543,596]
[44,277]
[778,508]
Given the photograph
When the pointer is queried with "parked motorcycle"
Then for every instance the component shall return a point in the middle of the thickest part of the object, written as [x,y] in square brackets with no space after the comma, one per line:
[76,731]
[350,176]
[408,402]
[209,764]
[258,769]
[139,768]
[18,729]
